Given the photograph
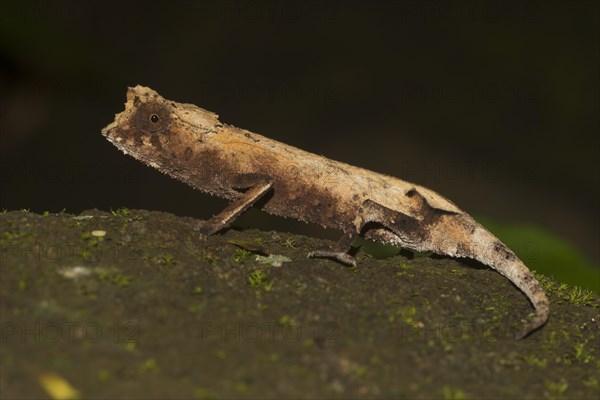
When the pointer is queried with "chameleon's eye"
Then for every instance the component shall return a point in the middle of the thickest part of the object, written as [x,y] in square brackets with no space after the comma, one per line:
[152,118]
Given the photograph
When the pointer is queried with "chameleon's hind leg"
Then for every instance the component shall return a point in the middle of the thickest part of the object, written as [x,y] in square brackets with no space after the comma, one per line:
[339,251]
[370,212]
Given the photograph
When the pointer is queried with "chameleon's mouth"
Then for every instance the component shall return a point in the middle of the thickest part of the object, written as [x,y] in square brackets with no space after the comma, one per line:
[110,133]
[118,143]
[106,131]
[109,130]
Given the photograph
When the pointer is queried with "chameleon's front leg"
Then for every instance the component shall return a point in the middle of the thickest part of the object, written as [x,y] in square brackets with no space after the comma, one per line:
[257,187]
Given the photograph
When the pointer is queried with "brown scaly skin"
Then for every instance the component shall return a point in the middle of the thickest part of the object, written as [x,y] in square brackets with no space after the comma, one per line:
[192,145]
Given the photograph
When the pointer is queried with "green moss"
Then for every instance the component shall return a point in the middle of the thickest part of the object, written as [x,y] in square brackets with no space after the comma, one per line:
[86,255]
[197,291]
[121,280]
[573,294]
[582,353]
[210,257]
[103,375]
[285,321]
[375,360]
[535,361]
[258,279]
[453,394]
[120,211]
[149,366]
[241,255]
[166,259]
[579,296]
[126,215]
[360,371]
[205,394]
[113,276]
[196,308]
[406,315]
[557,388]
[592,383]
[14,236]
[458,272]
[241,387]
[404,270]
[91,242]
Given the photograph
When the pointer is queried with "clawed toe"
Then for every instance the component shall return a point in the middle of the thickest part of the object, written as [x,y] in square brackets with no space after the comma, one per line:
[344,258]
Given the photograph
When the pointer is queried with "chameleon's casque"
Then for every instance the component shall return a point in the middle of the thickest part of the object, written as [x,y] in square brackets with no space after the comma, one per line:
[192,145]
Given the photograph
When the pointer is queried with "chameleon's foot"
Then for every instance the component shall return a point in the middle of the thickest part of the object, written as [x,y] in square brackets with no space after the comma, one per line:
[205,228]
[201,236]
[339,250]
[342,257]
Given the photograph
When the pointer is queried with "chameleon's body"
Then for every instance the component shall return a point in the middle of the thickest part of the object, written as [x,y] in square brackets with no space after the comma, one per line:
[191,144]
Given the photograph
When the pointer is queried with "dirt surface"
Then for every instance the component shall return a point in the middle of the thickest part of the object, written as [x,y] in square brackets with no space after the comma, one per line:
[133,304]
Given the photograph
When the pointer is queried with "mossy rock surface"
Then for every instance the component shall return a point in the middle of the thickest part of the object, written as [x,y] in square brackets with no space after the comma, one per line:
[135,304]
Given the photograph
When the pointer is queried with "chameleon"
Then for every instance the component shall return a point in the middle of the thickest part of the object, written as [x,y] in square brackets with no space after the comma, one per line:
[192,145]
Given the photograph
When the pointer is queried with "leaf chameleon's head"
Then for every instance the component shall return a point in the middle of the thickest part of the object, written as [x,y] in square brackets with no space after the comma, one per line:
[158,131]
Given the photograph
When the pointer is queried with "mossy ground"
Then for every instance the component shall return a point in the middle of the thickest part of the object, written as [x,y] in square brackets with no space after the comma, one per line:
[149,310]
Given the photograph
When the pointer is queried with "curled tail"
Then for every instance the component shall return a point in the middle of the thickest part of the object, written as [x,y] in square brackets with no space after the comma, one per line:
[461,236]
[541,317]
[493,253]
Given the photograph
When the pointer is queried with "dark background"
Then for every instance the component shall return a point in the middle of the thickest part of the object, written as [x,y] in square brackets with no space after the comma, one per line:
[494,105]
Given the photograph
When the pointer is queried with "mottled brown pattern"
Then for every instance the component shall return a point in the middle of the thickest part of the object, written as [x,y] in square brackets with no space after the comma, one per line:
[192,145]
